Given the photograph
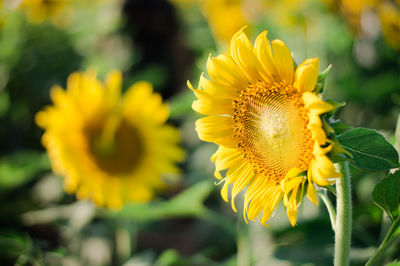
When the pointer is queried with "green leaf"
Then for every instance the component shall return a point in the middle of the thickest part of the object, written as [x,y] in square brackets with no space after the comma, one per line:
[181,104]
[189,203]
[394,263]
[386,195]
[21,167]
[319,87]
[369,149]
[338,126]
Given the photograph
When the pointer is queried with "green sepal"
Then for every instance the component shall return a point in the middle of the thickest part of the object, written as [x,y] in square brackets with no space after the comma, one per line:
[338,153]
[338,126]
[333,128]
[336,105]
[319,87]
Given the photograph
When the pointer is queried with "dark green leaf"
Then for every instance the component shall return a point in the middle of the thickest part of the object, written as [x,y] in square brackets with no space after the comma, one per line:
[386,195]
[19,168]
[369,149]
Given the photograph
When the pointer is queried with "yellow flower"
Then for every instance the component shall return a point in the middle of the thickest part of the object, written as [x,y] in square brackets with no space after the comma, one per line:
[225,17]
[389,14]
[265,116]
[110,149]
[59,12]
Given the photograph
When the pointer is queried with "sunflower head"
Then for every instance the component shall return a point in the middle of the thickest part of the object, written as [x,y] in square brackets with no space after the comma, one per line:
[265,115]
[110,148]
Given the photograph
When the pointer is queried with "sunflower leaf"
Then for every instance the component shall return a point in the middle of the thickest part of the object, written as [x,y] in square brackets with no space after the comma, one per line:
[386,195]
[369,149]
[394,263]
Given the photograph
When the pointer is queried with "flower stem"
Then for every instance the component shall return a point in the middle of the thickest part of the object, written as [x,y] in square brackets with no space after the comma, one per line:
[386,241]
[329,207]
[343,219]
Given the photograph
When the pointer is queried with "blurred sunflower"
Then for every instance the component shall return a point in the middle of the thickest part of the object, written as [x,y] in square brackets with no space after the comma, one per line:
[225,17]
[265,116]
[389,13]
[110,149]
[60,12]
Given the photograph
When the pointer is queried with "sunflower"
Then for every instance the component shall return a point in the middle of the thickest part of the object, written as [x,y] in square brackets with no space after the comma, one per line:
[225,17]
[59,12]
[265,116]
[110,149]
[389,14]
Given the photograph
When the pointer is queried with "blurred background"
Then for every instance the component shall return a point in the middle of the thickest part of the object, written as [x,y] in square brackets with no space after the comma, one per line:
[167,43]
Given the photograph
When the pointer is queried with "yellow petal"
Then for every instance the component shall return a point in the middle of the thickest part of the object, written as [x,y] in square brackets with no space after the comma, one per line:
[241,177]
[283,61]
[140,99]
[306,75]
[315,104]
[262,49]
[312,193]
[243,55]
[223,70]
[217,129]
[323,171]
[271,203]
[224,192]
[211,104]
[113,82]
[218,90]
[225,158]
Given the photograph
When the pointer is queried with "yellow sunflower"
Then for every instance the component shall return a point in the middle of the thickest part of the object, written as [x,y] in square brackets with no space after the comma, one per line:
[59,12]
[110,149]
[389,14]
[225,17]
[265,116]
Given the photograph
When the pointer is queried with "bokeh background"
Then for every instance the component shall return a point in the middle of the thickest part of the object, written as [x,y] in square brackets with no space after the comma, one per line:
[167,43]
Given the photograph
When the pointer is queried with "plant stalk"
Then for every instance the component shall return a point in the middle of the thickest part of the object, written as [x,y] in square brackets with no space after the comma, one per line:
[343,219]
[386,241]
[329,207]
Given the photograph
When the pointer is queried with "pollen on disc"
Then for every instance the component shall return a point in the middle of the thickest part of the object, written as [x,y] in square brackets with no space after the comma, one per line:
[271,123]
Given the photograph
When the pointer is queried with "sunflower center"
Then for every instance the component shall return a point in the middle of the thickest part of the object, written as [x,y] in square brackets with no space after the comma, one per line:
[116,148]
[270,122]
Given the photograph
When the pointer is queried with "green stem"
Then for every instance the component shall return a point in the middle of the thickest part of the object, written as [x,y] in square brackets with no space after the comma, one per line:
[386,241]
[243,244]
[343,219]
[329,207]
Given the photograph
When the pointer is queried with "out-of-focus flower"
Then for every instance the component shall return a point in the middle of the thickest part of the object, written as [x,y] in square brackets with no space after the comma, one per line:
[110,148]
[353,9]
[265,116]
[389,14]
[225,17]
[375,13]
[286,12]
[60,12]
